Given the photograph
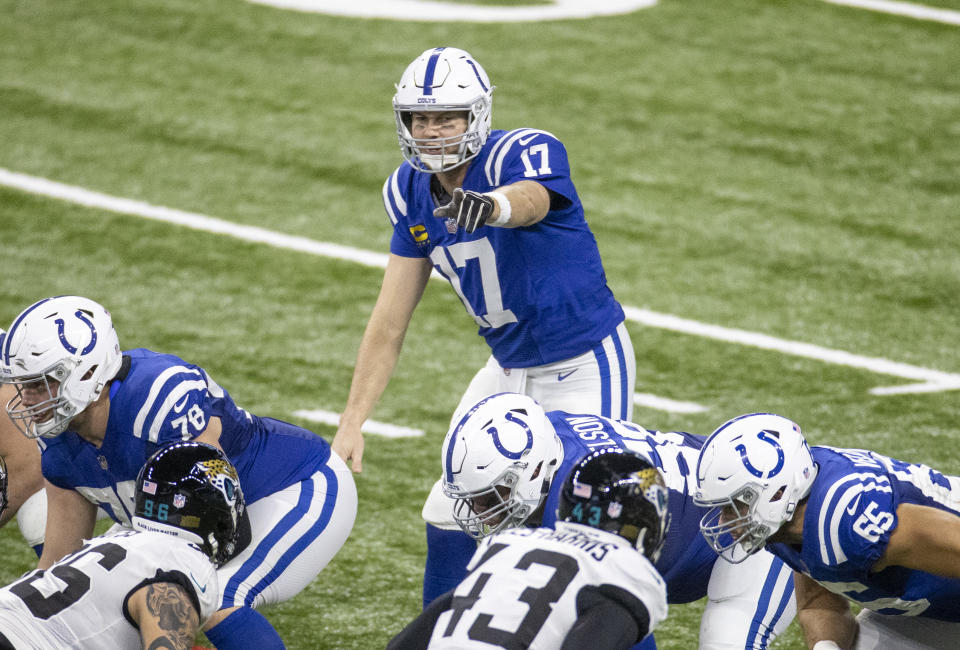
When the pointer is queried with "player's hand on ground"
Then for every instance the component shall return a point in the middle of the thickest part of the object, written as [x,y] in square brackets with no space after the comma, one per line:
[470,209]
[348,445]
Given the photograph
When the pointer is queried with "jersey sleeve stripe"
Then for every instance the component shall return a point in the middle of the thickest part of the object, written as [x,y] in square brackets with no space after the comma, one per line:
[174,396]
[494,166]
[155,390]
[393,200]
[840,495]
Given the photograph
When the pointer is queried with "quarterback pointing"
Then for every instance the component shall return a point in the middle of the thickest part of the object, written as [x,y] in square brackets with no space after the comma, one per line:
[99,413]
[497,215]
[854,525]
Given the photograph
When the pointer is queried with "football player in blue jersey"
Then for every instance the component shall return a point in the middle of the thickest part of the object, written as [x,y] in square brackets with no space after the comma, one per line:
[500,462]
[853,524]
[99,413]
[496,214]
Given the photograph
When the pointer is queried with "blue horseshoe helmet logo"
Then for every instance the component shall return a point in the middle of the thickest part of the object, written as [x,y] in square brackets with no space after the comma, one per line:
[768,437]
[512,455]
[66,344]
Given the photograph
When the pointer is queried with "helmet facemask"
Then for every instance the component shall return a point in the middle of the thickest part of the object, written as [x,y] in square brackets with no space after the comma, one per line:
[733,528]
[494,508]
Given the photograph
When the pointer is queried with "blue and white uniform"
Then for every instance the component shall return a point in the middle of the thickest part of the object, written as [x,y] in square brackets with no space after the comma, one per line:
[749,604]
[851,512]
[301,499]
[538,294]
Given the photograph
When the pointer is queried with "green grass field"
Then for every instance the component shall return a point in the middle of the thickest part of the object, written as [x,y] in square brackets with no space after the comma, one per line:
[785,167]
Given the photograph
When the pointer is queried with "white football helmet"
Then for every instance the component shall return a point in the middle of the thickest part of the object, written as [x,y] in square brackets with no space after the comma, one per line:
[498,462]
[443,79]
[752,473]
[60,353]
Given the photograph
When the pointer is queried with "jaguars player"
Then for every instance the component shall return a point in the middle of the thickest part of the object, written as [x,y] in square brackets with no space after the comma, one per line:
[149,587]
[586,582]
[855,526]
[501,463]
[496,214]
[99,413]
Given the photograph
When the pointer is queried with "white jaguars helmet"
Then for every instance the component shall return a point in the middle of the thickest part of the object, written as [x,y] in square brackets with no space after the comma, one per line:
[60,353]
[752,473]
[498,462]
[443,79]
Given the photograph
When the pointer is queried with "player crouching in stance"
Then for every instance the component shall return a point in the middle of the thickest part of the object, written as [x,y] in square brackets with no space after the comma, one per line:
[853,524]
[100,412]
[578,585]
[153,585]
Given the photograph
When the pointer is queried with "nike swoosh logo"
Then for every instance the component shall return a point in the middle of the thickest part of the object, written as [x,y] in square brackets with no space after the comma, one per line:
[179,405]
[523,141]
[202,589]
[561,376]
[852,508]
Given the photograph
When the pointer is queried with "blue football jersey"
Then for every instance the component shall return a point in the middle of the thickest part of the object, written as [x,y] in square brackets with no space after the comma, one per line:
[851,512]
[158,399]
[538,294]
[686,559]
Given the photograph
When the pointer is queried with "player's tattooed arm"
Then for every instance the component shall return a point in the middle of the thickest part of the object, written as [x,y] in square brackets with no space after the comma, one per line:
[167,618]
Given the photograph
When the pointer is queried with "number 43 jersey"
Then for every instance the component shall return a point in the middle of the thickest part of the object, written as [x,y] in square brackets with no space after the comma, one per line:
[851,512]
[525,584]
[81,601]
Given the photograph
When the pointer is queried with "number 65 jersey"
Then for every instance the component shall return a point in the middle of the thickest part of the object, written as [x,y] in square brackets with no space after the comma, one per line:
[81,601]
[525,585]
[851,512]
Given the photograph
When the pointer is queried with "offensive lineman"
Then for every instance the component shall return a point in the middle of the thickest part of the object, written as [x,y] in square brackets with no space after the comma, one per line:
[150,587]
[100,414]
[587,582]
[855,525]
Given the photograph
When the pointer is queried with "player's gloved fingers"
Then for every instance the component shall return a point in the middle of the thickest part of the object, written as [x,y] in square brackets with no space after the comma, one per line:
[452,209]
[475,211]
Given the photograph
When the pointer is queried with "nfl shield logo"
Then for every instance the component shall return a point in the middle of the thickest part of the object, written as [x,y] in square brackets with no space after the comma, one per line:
[179,500]
[452,226]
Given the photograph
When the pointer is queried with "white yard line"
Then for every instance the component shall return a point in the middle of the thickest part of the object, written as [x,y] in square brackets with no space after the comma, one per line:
[431,11]
[929,380]
[370,426]
[908,9]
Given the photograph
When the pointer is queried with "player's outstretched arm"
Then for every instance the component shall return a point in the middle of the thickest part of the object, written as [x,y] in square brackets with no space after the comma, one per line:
[70,520]
[166,616]
[22,458]
[404,280]
[519,204]
[822,614]
[927,539]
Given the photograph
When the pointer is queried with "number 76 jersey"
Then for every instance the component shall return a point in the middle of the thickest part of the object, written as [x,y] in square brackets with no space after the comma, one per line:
[525,585]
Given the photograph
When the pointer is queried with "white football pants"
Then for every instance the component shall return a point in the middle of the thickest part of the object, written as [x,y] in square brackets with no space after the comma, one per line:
[295,534]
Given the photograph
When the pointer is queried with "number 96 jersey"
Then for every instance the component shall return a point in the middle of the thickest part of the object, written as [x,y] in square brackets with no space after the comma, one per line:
[524,586]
